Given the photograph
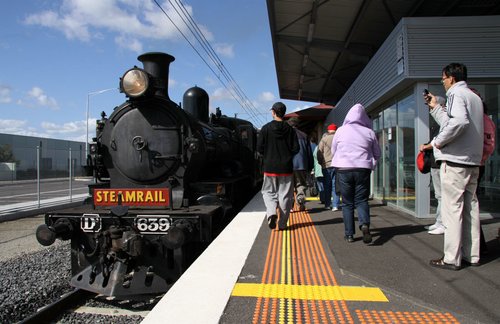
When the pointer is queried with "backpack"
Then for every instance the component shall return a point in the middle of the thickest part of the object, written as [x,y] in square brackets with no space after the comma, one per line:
[424,160]
[489,138]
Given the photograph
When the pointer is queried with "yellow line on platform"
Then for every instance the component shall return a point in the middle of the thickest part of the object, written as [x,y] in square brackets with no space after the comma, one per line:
[350,293]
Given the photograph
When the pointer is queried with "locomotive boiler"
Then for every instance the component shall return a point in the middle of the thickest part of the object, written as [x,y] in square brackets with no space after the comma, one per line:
[167,179]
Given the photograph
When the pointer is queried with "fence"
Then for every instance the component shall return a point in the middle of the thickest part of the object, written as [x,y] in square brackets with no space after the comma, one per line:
[51,180]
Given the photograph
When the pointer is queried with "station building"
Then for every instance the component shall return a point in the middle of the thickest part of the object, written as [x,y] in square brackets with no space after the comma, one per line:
[391,87]
[21,156]
[341,53]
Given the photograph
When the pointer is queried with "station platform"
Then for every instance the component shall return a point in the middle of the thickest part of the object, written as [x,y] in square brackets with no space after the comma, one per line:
[310,274]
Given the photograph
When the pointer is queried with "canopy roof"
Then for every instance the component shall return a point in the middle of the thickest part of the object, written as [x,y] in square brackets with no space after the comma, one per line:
[321,46]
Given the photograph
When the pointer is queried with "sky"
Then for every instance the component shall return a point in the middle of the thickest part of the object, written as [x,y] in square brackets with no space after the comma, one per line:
[63,58]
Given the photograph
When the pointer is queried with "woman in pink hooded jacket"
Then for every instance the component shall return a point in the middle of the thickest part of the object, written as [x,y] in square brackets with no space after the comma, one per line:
[355,151]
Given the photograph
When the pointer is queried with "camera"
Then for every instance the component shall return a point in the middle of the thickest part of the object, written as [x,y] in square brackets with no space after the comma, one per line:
[426,92]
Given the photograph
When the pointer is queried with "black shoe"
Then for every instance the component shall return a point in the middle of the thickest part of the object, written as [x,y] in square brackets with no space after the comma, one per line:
[271,221]
[349,238]
[439,263]
[471,264]
[367,237]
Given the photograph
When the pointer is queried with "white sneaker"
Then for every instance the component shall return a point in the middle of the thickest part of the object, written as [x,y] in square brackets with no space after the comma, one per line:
[433,227]
[437,231]
[335,209]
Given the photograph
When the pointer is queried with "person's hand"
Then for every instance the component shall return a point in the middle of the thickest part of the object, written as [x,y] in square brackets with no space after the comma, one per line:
[430,100]
[425,147]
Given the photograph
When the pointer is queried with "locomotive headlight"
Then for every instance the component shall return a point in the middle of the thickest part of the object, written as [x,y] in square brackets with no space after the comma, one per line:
[134,82]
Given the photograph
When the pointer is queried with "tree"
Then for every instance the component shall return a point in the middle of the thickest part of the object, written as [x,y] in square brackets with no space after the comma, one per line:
[6,153]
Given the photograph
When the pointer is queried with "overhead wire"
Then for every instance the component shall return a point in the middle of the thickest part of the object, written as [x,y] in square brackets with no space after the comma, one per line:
[217,61]
[243,99]
[246,103]
[232,87]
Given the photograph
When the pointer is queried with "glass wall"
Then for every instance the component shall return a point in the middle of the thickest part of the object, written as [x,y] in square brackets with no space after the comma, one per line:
[378,177]
[406,152]
[394,178]
[389,120]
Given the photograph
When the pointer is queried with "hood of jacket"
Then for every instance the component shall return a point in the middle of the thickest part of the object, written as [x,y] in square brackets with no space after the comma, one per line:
[357,115]
[280,129]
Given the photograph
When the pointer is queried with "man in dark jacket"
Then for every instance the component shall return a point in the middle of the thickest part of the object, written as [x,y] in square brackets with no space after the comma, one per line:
[278,144]
[302,165]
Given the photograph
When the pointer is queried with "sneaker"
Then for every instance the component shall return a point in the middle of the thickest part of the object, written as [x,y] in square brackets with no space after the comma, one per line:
[271,221]
[349,238]
[433,226]
[367,237]
[437,231]
[335,209]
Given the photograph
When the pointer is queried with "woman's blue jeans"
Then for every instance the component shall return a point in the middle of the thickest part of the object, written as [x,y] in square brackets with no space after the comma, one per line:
[355,190]
[329,179]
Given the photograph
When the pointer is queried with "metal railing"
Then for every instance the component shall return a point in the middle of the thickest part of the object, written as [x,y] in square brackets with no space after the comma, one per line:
[43,187]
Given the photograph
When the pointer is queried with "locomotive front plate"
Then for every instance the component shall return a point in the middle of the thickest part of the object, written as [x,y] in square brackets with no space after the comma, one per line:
[152,197]
[153,224]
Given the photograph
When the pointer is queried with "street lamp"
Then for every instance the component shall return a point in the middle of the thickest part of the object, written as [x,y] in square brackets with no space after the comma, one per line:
[88,111]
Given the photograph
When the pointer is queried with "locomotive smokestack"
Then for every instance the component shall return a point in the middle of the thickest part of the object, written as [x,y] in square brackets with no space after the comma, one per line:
[157,64]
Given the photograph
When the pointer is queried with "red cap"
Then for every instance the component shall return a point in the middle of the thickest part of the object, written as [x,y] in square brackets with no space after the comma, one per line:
[332,127]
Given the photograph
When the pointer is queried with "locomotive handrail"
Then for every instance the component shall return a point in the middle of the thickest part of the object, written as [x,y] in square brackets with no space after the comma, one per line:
[167,157]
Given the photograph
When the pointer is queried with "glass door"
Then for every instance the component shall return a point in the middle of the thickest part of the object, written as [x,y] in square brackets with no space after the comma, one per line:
[406,153]
[378,174]
[390,154]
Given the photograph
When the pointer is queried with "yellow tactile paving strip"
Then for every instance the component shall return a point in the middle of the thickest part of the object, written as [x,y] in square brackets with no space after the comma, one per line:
[298,285]
[309,292]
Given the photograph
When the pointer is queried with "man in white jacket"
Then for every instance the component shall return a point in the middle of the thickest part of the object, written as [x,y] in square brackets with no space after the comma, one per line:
[458,148]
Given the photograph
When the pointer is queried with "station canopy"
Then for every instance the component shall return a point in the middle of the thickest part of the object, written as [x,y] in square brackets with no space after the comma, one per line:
[321,46]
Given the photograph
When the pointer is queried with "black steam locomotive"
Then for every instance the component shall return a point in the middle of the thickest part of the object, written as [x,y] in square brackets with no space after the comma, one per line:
[166,181]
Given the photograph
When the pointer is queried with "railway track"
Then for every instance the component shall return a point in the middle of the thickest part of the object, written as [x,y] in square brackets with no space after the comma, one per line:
[81,304]
[68,301]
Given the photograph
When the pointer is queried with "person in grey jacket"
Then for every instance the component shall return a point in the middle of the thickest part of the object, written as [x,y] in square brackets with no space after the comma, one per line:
[437,227]
[329,173]
[458,148]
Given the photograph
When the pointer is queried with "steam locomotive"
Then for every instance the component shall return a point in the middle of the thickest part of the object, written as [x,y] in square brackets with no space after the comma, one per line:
[166,181]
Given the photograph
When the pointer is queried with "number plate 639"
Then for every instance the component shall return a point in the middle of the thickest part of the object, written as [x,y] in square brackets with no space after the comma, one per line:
[152,224]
